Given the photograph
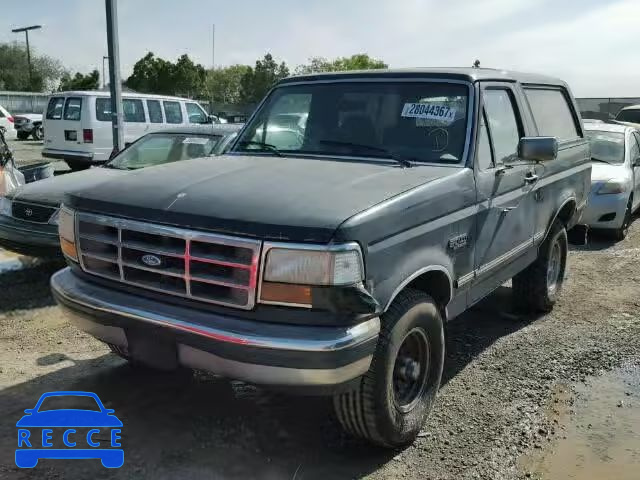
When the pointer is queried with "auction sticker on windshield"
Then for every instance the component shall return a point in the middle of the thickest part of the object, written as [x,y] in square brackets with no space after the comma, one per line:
[429,111]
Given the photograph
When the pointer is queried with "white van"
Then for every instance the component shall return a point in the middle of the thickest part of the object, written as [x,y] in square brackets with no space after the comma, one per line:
[77,125]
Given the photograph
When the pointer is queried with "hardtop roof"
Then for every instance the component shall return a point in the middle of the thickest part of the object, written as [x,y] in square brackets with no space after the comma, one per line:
[468,74]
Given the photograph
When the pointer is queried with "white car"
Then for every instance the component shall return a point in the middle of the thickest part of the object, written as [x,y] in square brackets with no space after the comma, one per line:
[615,177]
[6,123]
[77,125]
[629,116]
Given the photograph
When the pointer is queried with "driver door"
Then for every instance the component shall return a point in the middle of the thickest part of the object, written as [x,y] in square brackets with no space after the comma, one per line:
[505,222]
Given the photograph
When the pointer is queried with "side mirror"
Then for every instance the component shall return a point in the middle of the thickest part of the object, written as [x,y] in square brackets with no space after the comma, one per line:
[636,162]
[212,119]
[29,411]
[538,149]
[109,411]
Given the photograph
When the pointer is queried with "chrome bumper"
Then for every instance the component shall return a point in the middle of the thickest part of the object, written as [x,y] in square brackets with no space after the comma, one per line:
[252,351]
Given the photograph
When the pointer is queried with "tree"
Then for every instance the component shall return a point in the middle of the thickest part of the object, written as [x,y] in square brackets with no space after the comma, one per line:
[14,69]
[359,61]
[257,81]
[153,74]
[90,81]
[223,84]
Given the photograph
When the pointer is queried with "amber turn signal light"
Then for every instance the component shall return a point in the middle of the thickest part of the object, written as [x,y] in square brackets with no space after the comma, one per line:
[273,292]
[68,248]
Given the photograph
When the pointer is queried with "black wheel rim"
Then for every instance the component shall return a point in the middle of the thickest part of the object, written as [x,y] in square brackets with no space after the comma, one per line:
[411,369]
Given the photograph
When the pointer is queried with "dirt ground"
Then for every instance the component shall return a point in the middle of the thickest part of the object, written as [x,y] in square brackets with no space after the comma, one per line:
[516,393]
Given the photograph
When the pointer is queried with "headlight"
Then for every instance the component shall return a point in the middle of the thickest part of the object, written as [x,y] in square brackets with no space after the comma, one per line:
[612,187]
[5,206]
[290,272]
[67,232]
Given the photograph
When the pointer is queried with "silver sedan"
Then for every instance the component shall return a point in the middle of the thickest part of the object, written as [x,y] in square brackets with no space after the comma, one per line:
[615,177]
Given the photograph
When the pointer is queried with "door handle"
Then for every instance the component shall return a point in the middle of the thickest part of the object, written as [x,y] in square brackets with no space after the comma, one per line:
[508,209]
[530,178]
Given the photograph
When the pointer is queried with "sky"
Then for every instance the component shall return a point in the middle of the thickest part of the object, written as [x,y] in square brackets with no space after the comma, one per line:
[588,43]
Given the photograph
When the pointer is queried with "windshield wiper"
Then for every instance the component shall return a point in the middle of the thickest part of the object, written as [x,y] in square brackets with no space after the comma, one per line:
[594,159]
[265,146]
[112,166]
[392,155]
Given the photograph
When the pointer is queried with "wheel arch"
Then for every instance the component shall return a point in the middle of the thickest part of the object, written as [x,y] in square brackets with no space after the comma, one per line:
[565,213]
[434,280]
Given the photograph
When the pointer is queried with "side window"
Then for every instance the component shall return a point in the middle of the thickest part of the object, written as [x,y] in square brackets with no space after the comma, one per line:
[172,112]
[195,113]
[503,125]
[155,112]
[103,109]
[133,110]
[552,113]
[54,108]
[72,108]
[483,155]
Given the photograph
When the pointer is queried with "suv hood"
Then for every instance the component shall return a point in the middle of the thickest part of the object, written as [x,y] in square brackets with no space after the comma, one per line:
[281,198]
[50,191]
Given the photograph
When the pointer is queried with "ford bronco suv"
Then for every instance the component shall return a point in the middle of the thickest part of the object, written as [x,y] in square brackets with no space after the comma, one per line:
[326,254]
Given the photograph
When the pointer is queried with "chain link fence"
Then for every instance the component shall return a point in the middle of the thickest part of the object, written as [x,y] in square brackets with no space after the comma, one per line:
[604,108]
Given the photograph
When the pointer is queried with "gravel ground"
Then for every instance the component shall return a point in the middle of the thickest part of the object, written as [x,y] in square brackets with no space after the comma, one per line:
[506,379]
[27,152]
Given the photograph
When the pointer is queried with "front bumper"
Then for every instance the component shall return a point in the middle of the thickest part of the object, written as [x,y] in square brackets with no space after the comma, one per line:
[256,352]
[605,211]
[28,238]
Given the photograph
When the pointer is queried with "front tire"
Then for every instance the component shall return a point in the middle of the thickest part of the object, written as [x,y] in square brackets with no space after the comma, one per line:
[38,132]
[538,287]
[394,398]
[620,234]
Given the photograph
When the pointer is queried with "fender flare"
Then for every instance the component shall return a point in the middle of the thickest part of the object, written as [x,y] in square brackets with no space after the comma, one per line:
[416,274]
[555,216]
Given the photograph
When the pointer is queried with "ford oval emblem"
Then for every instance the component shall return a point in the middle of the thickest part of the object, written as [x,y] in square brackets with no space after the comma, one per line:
[151,260]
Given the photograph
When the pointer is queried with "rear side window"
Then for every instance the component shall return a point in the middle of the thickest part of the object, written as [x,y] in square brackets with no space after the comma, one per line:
[103,109]
[195,113]
[155,112]
[503,125]
[73,108]
[552,113]
[54,108]
[172,112]
[133,110]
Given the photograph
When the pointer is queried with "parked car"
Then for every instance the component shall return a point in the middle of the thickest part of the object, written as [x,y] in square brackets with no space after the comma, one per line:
[615,178]
[29,125]
[629,116]
[6,123]
[29,216]
[330,265]
[77,125]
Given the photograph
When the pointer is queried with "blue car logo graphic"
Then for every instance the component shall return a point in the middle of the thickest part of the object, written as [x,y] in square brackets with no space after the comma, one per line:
[97,428]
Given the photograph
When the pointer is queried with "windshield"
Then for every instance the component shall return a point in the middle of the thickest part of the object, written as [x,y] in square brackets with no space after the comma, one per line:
[418,121]
[77,402]
[606,146]
[159,148]
[631,116]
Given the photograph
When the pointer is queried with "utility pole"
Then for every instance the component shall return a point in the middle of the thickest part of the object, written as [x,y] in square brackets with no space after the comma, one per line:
[114,75]
[104,78]
[213,48]
[26,32]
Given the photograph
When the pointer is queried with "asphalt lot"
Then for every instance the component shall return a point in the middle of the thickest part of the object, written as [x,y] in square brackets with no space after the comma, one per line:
[521,396]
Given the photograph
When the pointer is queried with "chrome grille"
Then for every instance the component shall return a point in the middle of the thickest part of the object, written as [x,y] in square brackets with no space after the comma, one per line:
[207,267]
[32,212]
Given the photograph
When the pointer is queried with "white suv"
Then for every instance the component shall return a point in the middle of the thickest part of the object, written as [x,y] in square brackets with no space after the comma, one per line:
[6,122]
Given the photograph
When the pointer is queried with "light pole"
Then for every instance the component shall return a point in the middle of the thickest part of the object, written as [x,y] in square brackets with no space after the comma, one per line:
[104,78]
[115,88]
[26,32]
